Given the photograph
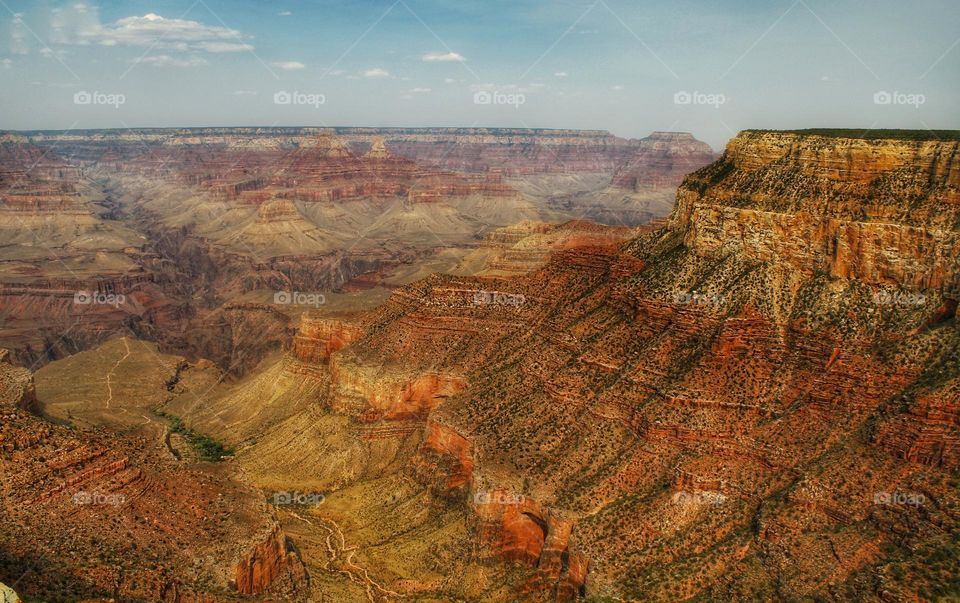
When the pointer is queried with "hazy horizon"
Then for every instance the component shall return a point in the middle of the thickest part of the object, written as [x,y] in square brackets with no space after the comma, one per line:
[697,66]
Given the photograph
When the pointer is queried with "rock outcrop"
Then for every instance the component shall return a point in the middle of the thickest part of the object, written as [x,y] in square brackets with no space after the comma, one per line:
[266,563]
[879,211]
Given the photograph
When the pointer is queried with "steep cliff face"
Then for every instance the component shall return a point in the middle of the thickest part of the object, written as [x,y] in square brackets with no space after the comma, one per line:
[262,566]
[318,338]
[879,211]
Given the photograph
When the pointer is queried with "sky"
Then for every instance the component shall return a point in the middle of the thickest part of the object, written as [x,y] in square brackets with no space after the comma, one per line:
[709,67]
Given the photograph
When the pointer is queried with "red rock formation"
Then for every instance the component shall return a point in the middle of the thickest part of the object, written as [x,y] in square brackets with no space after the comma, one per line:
[270,559]
[515,529]
[456,452]
[318,338]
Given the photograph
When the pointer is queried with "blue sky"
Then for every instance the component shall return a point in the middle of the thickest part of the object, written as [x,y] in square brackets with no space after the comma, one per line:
[708,67]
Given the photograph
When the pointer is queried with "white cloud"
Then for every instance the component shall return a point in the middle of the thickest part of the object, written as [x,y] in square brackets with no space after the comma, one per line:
[561,74]
[80,24]
[288,65]
[49,53]
[440,57]
[244,92]
[617,87]
[449,80]
[19,36]
[7,63]
[503,88]
[214,46]
[420,90]
[376,72]
[285,13]
[165,60]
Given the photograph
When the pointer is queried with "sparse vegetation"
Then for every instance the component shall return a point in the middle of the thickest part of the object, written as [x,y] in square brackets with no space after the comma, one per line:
[207,448]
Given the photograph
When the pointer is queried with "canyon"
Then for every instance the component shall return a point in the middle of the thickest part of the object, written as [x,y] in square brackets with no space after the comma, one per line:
[753,394]
[185,236]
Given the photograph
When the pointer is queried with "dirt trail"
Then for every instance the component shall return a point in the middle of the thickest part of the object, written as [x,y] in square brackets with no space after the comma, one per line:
[337,549]
[112,370]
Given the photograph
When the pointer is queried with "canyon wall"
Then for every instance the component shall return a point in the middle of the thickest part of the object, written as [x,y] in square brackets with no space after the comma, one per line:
[879,211]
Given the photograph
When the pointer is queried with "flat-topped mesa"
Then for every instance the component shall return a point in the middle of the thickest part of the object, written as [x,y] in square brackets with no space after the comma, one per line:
[27,166]
[11,138]
[509,151]
[663,159]
[378,149]
[880,210]
[277,210]
[328,145]
[34,181]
